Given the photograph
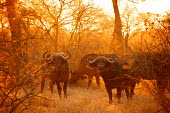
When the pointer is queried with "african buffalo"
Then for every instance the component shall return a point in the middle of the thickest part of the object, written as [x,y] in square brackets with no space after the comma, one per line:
[113,76]
[90,72]
[153,66]
[57,63]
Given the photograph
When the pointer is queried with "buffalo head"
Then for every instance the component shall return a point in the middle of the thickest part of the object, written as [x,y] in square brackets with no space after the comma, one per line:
[56,59]
[100,62]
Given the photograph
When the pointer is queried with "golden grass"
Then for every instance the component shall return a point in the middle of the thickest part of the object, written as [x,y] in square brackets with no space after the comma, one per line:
[92,100]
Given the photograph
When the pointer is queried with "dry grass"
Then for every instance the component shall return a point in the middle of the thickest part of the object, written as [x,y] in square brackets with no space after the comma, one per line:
[92,100]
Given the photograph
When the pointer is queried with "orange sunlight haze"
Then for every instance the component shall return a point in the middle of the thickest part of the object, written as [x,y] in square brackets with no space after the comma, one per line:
[153,6]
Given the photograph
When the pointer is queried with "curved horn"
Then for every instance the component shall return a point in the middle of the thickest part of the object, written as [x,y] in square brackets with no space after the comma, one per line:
[47,59]
[110,60]
[67,58]
[90,61]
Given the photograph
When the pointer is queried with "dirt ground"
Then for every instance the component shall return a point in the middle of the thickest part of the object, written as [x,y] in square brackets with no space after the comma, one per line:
[92,100]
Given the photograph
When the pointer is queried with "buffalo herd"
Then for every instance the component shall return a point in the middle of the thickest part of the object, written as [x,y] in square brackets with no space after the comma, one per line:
[110,67]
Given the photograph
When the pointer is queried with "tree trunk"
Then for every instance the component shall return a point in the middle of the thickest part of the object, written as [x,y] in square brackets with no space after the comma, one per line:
[118,27]
[14,20]
[15,27]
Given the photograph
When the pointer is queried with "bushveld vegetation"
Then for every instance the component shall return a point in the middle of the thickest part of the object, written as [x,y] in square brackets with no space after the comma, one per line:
[29,28]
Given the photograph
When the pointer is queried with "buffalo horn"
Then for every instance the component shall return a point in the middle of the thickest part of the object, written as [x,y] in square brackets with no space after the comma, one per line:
[90,61]
[110,60]
[67,58]
[44,56]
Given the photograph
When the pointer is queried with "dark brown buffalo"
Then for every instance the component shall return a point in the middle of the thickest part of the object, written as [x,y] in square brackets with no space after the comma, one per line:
[153,66]
[113,76]
[58,71]
[83,70]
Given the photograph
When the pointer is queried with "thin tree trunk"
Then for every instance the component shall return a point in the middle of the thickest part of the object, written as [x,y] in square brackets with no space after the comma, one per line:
[118,27]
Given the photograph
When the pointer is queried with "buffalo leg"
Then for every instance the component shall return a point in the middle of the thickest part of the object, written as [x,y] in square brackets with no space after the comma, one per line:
[89,81]
[132,89]
[51,85]
[43,77]
[98,80]
[65,89]
[109,91]
[161,86]
[119,94]
[59,88]
[127,92]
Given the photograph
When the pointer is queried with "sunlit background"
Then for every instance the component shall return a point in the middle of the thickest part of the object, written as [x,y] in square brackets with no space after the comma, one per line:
[152,6]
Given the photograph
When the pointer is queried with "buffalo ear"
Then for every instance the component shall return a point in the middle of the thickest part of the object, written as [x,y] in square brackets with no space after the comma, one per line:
[64,60]
[108,64]
[92,65]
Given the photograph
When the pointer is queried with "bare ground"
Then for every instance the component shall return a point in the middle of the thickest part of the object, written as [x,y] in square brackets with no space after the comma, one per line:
[92,100]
